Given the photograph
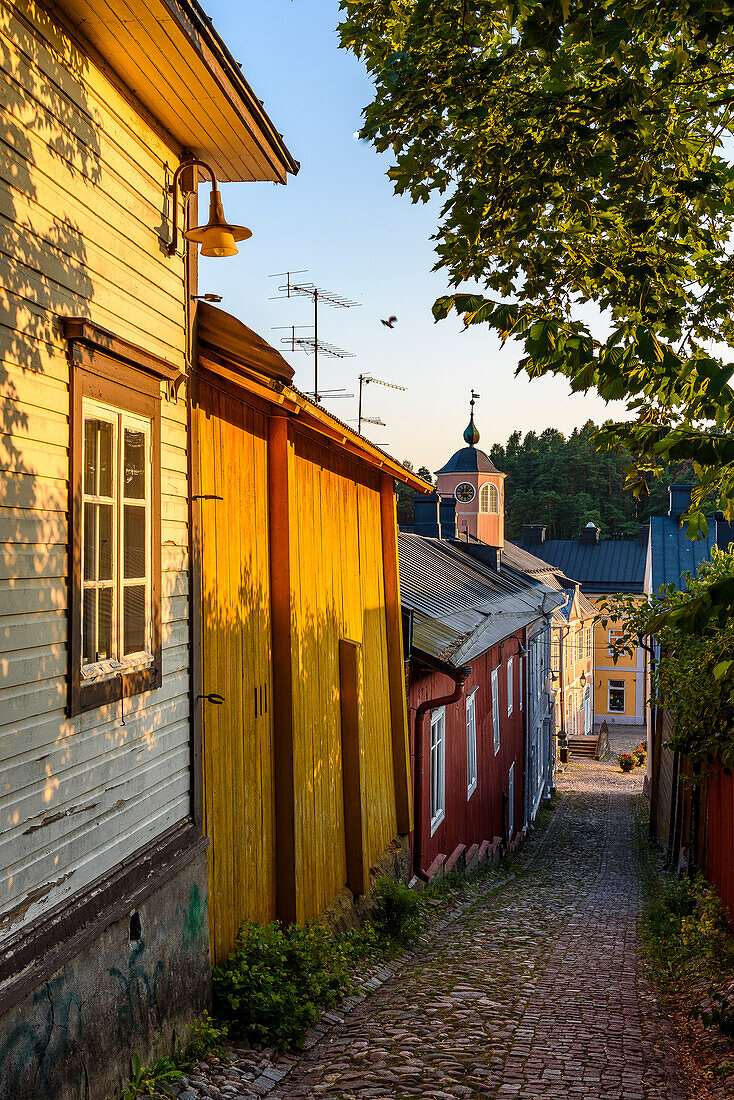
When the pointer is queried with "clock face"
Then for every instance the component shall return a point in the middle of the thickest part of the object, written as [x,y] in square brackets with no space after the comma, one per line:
[465,492]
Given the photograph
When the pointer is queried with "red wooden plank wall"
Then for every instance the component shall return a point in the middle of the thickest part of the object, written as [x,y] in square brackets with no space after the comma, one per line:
[720,846]
[470,821]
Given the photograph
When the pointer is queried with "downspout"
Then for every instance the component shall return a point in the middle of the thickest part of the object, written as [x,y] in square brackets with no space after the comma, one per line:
[459,676]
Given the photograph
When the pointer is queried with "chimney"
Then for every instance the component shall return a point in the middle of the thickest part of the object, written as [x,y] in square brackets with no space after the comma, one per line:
[447,514]
[643,535]
[425,521]
[590,534]
[680,499]
[533,534]
[724,531]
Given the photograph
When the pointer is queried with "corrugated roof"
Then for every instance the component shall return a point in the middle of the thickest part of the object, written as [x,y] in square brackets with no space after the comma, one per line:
[614,565]
[673,554]
[460,607]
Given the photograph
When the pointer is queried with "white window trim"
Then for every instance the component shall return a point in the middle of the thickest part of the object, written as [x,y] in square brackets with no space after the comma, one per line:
[510,686]
[496,708]
[116,663]
[438,717]
[471,744]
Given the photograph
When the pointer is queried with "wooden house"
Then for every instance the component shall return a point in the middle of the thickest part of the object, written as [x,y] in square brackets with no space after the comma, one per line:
[303,701]
[103,925]
[474,780]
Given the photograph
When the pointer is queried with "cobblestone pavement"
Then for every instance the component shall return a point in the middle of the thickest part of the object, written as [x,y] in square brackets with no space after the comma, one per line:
[535,990]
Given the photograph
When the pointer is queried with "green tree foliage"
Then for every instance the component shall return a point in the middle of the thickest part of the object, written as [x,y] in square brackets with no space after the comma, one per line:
[579,147]
[566,483]
[693,678]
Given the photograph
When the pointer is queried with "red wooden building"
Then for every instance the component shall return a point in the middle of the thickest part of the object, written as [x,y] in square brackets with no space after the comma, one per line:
[467,699]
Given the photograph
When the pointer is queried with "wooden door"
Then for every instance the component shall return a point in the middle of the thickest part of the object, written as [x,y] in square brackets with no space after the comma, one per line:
[236,663]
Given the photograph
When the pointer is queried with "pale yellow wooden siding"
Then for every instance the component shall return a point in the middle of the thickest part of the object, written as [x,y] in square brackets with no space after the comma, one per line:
[338,592]
[82,200]
[236,658]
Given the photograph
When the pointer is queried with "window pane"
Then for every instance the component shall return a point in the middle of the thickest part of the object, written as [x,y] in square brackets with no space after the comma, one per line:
[97,542]
[134,619]
[89,618]
[97,629]
[134,550]
[98,447]
[134,474]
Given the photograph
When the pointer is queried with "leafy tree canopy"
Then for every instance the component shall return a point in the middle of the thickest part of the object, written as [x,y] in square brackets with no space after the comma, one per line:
[579,148]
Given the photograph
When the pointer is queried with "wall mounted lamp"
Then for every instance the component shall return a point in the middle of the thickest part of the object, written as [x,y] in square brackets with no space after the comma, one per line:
[521,651]
[217,237]
[582,679]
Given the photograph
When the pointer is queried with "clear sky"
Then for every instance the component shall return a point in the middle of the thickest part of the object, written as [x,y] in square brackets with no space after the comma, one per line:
[340,219]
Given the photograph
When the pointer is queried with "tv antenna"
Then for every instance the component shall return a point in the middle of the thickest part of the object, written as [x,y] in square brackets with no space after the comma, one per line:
[364,380]
[311,344]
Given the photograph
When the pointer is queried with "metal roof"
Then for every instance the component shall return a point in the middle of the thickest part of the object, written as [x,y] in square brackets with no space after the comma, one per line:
[469,460]
[460,606]
[614,565]
[673,554]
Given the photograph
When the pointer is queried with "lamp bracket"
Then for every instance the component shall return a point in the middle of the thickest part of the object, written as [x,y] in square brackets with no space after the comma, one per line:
[184,178]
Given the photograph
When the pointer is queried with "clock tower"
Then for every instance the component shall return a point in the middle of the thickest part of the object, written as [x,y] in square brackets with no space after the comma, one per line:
[477,486]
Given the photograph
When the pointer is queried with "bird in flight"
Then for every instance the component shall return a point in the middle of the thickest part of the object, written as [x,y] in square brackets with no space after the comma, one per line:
[390,322]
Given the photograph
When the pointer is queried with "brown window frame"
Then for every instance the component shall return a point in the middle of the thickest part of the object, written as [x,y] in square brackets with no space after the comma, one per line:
[106,369]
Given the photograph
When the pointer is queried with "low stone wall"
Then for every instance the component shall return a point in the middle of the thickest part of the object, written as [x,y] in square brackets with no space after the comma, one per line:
[145,978]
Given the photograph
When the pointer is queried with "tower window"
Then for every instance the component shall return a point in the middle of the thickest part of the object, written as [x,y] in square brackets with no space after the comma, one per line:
[489,498]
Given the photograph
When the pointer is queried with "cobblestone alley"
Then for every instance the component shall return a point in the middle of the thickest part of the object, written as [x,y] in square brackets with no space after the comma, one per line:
[534,991]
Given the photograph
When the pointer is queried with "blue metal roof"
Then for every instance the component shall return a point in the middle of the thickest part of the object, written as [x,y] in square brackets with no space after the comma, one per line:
[615,565]
[673,554]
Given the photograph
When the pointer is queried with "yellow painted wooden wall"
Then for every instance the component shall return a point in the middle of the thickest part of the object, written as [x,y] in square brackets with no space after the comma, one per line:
[328,509]
[236,658]
[338,592]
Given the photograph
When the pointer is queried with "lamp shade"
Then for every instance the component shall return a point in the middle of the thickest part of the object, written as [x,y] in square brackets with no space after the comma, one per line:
[217,238]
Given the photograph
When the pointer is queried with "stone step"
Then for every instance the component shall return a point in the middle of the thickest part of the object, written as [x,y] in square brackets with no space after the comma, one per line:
[583,746]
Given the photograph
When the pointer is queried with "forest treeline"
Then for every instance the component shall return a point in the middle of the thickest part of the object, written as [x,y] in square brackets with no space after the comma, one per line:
[563,482]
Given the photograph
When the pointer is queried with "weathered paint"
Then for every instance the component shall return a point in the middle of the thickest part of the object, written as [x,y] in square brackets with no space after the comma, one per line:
[720,837]
[293,566]
[82,187]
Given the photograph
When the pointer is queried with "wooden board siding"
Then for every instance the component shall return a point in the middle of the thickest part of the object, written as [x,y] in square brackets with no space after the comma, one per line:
[82,200]
[236,657]
[720,837]
[338,593]
[292,568]
[470,821]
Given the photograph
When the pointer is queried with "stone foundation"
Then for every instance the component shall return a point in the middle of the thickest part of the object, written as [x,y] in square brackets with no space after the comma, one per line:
[143,981]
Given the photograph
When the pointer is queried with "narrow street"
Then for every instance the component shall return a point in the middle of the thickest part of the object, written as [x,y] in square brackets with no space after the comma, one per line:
[535,991]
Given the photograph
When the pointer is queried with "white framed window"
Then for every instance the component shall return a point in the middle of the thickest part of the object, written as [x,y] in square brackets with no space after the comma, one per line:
[116,550]
[471,744]
[510,675]
[511,801]
[489,498]
[580,644]
[616,697]
[438,767]
[589,634]
[521,677]
[496,709]
[613,635]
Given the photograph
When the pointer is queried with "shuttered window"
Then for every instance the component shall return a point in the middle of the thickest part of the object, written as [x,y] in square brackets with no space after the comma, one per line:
[510,678]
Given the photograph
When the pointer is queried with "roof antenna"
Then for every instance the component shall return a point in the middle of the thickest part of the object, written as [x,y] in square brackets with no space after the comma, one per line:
[471,435]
